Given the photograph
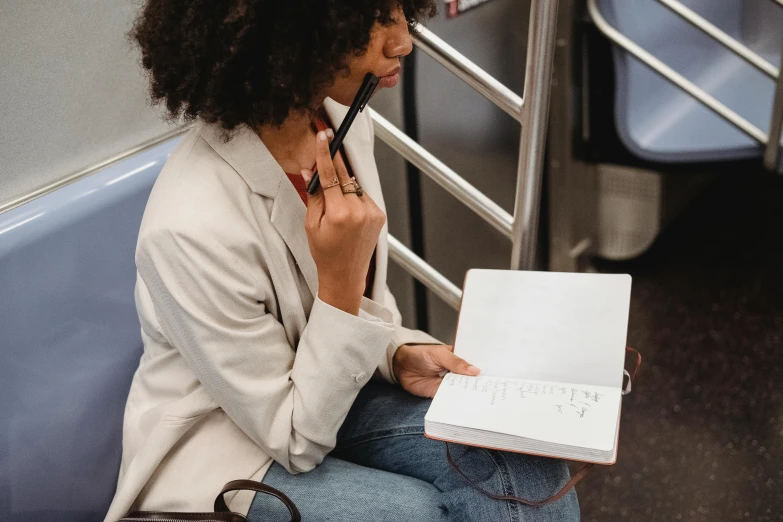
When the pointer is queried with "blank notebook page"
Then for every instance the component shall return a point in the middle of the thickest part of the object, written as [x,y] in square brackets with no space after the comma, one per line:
[545,326]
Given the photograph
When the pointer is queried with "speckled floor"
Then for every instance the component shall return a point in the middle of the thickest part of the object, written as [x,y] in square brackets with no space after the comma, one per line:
[701,436]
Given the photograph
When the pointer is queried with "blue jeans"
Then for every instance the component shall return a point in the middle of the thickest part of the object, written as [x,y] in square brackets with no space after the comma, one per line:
[384,469]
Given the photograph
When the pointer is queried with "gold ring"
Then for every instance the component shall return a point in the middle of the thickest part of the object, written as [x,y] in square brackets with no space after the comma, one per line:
[359,191]
[332,183]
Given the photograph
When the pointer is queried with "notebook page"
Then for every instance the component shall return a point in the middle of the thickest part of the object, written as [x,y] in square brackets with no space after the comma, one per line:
[579,416]
[545,326]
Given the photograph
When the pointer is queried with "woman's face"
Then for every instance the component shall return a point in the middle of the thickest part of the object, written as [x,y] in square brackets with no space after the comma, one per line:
[387,45]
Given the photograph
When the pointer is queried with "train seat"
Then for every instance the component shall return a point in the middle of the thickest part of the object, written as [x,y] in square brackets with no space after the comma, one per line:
[70,340]
[658,121]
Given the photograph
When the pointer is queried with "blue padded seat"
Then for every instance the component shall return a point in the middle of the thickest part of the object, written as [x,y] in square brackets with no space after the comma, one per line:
[658,121]
[69,341]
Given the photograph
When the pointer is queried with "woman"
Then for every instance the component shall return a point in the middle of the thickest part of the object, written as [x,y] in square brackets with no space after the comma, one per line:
[265,312]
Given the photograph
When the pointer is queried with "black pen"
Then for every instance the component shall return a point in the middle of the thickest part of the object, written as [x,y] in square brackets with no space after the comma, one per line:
[359,103]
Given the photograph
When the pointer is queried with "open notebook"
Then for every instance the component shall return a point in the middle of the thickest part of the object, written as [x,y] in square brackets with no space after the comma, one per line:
[551,348]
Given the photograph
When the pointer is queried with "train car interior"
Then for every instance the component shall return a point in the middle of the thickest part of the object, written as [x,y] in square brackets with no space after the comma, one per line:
[637,137]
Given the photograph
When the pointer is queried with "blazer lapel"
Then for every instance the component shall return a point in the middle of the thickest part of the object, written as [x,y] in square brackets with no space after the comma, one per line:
[248,155]
[288,217]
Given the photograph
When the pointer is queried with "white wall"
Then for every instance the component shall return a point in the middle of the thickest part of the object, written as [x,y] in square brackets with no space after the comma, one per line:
[71,91]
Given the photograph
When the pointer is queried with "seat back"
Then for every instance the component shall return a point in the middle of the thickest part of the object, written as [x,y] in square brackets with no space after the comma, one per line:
[69,340]
[657,120]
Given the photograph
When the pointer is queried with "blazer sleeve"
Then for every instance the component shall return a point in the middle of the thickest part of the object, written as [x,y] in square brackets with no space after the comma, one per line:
[400,336]
[209,302]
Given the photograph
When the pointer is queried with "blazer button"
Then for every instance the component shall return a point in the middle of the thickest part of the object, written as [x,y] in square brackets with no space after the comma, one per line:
[359,377]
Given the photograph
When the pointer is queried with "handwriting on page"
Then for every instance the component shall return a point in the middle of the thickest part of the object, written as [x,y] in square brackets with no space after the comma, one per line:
[563,399]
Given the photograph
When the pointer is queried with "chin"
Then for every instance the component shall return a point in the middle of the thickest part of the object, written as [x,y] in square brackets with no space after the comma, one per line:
[342,99]
[345,93]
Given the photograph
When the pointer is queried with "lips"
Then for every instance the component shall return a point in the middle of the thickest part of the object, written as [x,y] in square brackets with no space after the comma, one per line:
[389,81]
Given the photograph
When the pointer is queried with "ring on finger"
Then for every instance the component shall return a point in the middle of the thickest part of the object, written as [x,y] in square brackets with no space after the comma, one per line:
[332,183]
[359,191]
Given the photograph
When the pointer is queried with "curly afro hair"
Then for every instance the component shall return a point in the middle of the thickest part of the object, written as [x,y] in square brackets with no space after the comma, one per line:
[251,62]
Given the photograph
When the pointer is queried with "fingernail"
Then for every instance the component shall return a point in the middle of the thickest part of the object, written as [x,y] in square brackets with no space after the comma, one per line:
[306,174]
[330,133]
[322,136]
[473,369]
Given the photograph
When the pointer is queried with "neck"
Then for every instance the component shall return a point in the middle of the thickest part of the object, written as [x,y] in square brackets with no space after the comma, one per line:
[291,144]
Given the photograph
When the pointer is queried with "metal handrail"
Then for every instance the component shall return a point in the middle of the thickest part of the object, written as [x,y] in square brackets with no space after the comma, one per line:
[424,272]
[723,38]
[673,76]
[467,71]
[472,197]
[531,111]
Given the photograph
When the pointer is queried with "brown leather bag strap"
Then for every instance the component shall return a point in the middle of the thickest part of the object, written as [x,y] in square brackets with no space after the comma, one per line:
[238,485]
[579,475]
[638,364]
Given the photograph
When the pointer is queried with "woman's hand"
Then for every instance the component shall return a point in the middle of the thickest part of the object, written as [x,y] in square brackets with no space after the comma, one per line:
[342,231]
[418,367]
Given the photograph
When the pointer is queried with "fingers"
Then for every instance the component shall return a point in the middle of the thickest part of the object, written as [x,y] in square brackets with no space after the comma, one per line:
[326,170]
[445,358]
[315,202]
[342,172]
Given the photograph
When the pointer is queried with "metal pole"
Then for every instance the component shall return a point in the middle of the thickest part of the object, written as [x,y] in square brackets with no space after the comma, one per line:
[535,113]
[772,151]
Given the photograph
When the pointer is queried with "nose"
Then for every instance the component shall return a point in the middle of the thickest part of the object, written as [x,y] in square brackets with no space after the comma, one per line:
[399,41]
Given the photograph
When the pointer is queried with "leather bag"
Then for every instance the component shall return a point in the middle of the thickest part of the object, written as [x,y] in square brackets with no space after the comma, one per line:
[222,512]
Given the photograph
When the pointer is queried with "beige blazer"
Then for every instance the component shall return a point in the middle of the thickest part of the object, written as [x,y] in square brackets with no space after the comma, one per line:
[243,364]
